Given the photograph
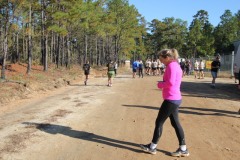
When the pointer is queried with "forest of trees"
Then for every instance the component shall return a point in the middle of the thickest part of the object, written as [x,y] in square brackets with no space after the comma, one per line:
[66,32]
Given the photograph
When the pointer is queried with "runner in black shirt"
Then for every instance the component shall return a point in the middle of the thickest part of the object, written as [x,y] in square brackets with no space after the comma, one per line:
[86,68]
[215,66]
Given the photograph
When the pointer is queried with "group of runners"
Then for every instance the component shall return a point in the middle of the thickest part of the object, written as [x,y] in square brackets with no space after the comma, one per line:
[198,68]
[111,71]
[152,67]
[156,67]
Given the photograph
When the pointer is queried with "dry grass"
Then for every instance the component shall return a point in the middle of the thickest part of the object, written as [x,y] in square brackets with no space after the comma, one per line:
[18,84]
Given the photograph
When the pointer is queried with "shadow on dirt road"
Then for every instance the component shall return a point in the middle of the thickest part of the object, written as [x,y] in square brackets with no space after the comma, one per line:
[194,111]
[208,112]
[222,91]
[68,131]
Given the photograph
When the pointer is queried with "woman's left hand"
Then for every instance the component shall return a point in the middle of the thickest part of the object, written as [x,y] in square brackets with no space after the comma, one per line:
[158,84]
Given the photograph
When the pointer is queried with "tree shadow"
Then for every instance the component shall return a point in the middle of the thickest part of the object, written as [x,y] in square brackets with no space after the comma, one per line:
[123,77]
[9,68]
[208,112]
[25,65]
[89,85]
[141,106]
[194,111]
[68,131]
[222,90]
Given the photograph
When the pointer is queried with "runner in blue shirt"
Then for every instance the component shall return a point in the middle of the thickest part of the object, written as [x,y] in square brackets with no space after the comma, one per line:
[135,66]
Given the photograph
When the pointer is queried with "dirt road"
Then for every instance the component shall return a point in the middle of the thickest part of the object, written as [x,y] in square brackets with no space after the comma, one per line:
[97,122]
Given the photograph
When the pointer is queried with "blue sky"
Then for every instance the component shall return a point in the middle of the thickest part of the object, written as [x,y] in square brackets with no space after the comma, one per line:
[184,9]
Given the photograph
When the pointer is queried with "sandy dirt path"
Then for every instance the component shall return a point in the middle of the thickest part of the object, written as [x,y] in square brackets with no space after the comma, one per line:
[97,122]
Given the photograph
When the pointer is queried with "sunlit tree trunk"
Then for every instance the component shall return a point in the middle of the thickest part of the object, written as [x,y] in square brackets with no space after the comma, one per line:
[29,67]
[58,50]
[18,54]
[86,48]
[67,59]
[5,44]
[51,53]
[5,51]
[43,38]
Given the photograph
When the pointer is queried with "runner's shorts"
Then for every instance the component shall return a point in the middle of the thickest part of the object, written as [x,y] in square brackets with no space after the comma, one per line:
[86,72]
[214,74]
[111,74]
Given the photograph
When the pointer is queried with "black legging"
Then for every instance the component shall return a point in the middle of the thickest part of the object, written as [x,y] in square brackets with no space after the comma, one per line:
[140,72]
[168,109]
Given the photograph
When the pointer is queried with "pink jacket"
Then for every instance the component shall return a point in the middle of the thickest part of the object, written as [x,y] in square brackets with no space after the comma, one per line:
[171,82]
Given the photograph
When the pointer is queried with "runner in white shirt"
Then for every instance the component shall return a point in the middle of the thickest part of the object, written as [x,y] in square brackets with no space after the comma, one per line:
[201,68]
[196,68]
[154,67]
[148,66]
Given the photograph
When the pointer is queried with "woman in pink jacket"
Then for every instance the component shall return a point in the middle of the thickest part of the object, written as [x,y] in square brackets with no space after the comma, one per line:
[172,99]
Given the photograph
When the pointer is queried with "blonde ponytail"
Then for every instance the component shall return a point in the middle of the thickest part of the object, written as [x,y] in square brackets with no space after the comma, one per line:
[173,53]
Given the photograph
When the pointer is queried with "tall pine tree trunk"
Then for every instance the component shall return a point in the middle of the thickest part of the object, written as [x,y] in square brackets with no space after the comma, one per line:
[46,53]
[86,48]
[103,52]
[23,42]
[58,50]
[29,67]
[43,38]
[5,51]
[63,58]
[5,44]
[1,39]
[52,53]
[67,60]
[97,52]
[18,54]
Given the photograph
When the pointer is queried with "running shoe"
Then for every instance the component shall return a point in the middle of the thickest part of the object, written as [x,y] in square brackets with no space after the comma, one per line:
[146,148]
[180,153]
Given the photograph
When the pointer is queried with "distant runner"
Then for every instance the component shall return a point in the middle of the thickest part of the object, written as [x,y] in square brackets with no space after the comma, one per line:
[86,68]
